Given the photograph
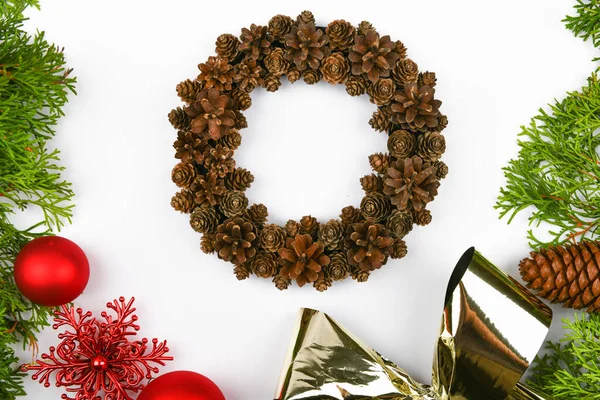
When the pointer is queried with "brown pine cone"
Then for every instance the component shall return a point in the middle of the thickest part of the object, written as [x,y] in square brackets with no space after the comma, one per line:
[183,201]
[402,144]
[280,25]
[207,243]
[306,46]
[305,17]
[341,34]
[323,282]
[242,100]
[216,73]
[240,120]
[292,228]
[338,268]
[234,203]
[400,223]
[212,114]
[415,108]
[236,241]
[441,169]
[364,27]
[382,91]
[239,179]
[381,121]
[335,68]
[350,215]
[272,238]
[368,245]
[359,275]
[375,206]
[294,74]
[276,63]
[371,183]
[264,265]
[302,259]
[232,141]
[405,70]
[208,189]
[256,41]
[400,49]
[431,146]
[188,90]
[410,183]
[219,160]
[372,56]
[330,234]
[227,46]
[281,282]
[399,249]
[248,74]
[189,147]
[272,83]
[379,162]
[442,123]
[183,175]
[567,274]
[427,79]
[356,85]
[204,219]
[311,76]
[242,271]
[422,217]
[179,119]
[309,225]
[257,214]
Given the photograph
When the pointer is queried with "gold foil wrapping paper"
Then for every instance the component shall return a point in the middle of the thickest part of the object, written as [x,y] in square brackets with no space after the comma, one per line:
[492,328]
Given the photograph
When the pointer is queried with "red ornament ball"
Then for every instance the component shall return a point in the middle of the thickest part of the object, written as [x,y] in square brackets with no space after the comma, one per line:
[51,271]
[180,385]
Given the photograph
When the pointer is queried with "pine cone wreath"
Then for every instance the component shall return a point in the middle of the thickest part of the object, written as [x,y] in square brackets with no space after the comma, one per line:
[402,144]
[276,63]
[232,141]
[431,146]
[208,189]
[256,41]
[375,207]
[189,90]
[350,215]
[310,226]
[422,217]
[264,265]
[280,25]
[248,74]
[311,76]
[189,147]
[272,83]
[207,243]
[405,71]
[382,91]
[335,68]
[340,34]
[183,201]
[242,100]
[339,267]
[219,160]
[183,175]
[272,238]
[331,233]
[356,86]
[372,56]
[379,162]
[566,274]
[216,73]
[212,114]
[204,219]
[369,244]
[415,108]
[306,46]
[233,203]
[239,179]
[381,121]
[292,228]
[400,223]
[257,214]
[226,46]
[306,17]
[410,183]
[302,259]
[179,119]
[236,241]
[372,183]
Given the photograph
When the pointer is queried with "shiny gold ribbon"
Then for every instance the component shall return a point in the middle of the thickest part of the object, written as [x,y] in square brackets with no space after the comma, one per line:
[492,328]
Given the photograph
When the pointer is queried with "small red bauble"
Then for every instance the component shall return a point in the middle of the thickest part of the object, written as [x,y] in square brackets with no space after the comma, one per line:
[51,271]
[180,385]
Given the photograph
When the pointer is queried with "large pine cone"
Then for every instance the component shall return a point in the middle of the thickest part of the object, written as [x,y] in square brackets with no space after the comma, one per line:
[382,91]
[280,25]
[568,275]
[341,34]
[248,75]
[331,234]
[208,189]
[227,46]
[431,146]
[410,183]
[179,119]
[402,144]
[272,238]
[264,265]
[204,219]
[183,175]
[415,108]
[189,147]
[368,245]
[183,201]
[375,206]
[335,68]
[239,179]
[212,114]
[234,203]
[216,73]
[189,90]
[302,259]
[256,41]
[219,160]
[306,46]
[405,71]
[372,55]
[276,63]
[236,241]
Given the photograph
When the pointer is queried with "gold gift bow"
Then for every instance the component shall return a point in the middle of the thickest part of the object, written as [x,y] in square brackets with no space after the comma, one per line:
[492,328]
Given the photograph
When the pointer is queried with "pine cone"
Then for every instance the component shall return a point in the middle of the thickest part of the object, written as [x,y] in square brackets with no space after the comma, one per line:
[441,169]
[368,245]
[372,55]
[292,228]
[442,123]
[402,144]
[364,27]
[410,183]
[179,119]
[241,100]
[219,160]
[414,108]
[236,241]
[305,17]
[371,183]
[406,70]
[256,41]
[381,121]
[264,265]
[208,190]
[379,162]
[400,223]
[242,272]
[311,76]
[276,63]
[216,73]
[341,34]
[338,268]
[400,49]
[232,141]
[257,214]
[359,275]
[239,179]
[306,46]
[375,206]
[350,215]
[431,146]
[399,249]
[427,79]
[189,90]
[323,282]
[302,260]
[281,282]
[212,114]
[331,234]
[294,74]
[335,68]
[422,217]
[309,225]
[183,201]
[227,46]
[272,238]
[183,175]
[189,147]
[280,25]
[207,243]
[567,274]
[272,83]
[234,203]
[356,86]
[240,119]
[248,74]
[204,219]
[382,91]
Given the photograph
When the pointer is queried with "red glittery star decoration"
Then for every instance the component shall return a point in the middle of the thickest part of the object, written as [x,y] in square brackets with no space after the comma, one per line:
[96,356]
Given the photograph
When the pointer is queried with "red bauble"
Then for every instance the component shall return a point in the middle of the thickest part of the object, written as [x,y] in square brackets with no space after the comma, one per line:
[51,271]
[180,385]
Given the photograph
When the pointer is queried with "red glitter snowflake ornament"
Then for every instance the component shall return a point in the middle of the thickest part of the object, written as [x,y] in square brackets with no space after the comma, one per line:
[97,357]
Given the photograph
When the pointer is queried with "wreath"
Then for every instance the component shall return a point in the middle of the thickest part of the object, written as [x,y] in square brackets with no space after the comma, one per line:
[405,179]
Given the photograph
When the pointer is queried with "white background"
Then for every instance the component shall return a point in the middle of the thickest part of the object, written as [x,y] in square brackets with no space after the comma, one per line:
[496,62]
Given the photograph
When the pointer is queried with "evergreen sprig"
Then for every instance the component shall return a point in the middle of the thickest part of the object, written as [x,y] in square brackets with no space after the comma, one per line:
[34,86]
[586,24]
